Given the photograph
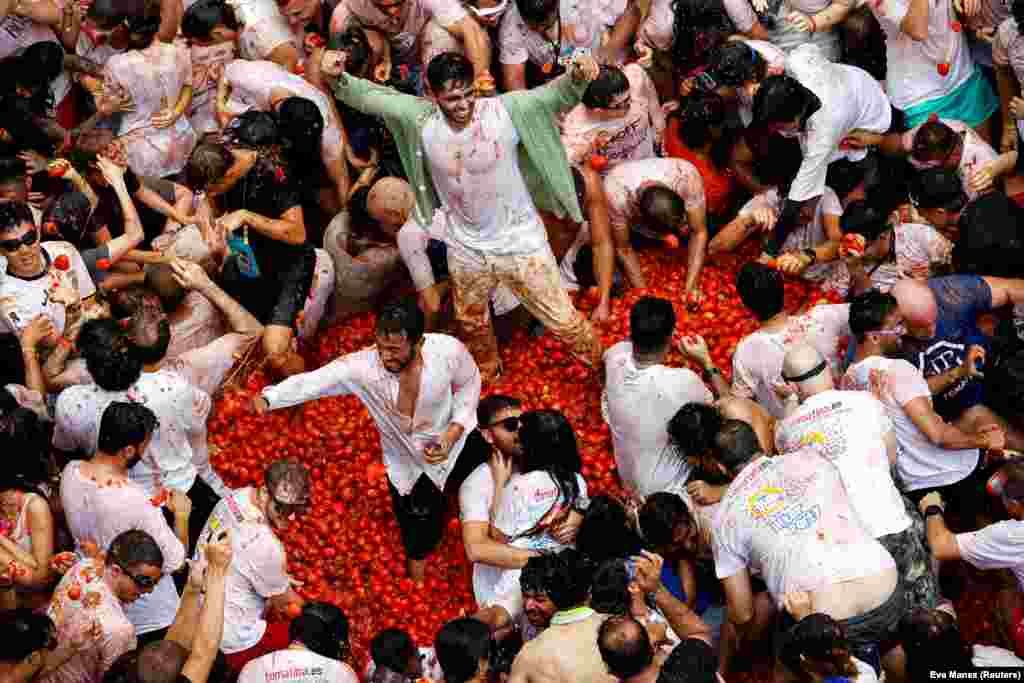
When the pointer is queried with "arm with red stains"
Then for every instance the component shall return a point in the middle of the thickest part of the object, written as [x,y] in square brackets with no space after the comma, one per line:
[596,211]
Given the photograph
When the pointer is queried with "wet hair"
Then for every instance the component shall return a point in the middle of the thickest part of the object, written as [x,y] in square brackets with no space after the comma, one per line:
[207,165]
[780,99]
[693,428]
[135,547]
[660,515]
[625,646]
[404,317]
[583,267]
[549,445]
[151,338]
[651,323]
[354,44]
[864,218]
[448,69]
[254,129]
[691,661]
[336,622]
[863,42]
[392,648]
[67,218]
[312,632]
[13,215]
[611,82]
[1013,487]
[609,593]
[460,645]
[568,579]
[38,66]
[700,113]
[18,116]
[820,638]
[358,209]
[161,662]
[289,475]
[536,11]
[660,208]
[125,424]
[736,63]
[200,20]
[990,243]
[698,27]
[160,281]
[539,572]
[932,641]
[605,532]
[301,128]
[761,290]
[777,161]
[736,444]
[844,176]
[490,406]
[26,441]
[933,140]
[869,310]
[23,632]
[145,25]
[108,355]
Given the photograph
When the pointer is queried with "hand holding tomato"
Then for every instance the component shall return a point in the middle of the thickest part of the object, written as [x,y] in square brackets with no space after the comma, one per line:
[260,406]
[852,246]
[694,298]
[696,348]
[792,264]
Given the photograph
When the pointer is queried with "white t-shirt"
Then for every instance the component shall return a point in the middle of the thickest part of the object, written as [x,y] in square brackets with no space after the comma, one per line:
[849,428]
[625,183]
[850,99]
[637,404]
[912,77]
[296,666]
[22,300]
[920,463]
[757,361]
[790,515]
[475,498]
[997,546]
[258,568]
[482,191]
[583,28]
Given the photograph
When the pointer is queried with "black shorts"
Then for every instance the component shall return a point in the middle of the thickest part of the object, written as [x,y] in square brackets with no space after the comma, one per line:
[275,298]
[966,497]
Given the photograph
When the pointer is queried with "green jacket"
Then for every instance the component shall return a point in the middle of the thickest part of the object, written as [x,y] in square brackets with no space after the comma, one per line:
[542,159]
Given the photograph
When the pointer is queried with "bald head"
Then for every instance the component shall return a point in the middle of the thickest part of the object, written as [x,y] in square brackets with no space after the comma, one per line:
[917,304]
[625,646]
[806,369]
[161,662]
[389,202]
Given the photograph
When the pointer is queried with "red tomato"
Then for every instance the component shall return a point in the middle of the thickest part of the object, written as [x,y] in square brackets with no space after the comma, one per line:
[62,262]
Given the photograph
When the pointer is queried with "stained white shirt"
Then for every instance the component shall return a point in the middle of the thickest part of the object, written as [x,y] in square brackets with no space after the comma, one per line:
[449,392]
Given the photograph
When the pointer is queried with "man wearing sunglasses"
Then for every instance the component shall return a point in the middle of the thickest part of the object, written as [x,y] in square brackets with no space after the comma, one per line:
[258,581]
[48,278]
[92,596]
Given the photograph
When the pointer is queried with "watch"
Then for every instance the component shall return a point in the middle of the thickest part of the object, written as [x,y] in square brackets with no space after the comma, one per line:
[933,510]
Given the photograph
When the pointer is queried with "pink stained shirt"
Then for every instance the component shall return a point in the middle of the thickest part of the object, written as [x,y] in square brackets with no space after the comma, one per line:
[624,184]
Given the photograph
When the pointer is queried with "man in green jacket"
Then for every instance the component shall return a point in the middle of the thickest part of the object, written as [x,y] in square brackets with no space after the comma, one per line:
[487,165]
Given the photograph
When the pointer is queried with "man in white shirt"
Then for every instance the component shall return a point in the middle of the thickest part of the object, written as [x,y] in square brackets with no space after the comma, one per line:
[422,392]
[791,517]
[258,581]
[312,656]
[757,362]
[819,103]
[853,431]
[933,454]
[100,502]
[642,394]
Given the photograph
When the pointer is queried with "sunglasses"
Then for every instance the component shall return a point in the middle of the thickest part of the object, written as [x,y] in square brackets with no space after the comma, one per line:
[509,424]
[28,239]
[141,580]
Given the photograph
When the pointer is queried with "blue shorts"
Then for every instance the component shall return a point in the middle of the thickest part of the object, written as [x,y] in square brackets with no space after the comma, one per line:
[973,102]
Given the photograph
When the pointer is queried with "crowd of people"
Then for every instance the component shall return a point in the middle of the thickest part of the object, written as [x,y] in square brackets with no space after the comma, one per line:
[190,187]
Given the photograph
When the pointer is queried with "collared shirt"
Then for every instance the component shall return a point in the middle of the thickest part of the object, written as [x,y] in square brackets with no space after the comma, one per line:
[571,616]
[449,392]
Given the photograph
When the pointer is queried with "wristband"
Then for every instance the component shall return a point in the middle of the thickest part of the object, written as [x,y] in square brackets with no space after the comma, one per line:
[933,510]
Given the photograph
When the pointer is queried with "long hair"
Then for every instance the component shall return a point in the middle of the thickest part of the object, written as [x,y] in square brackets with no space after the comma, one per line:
[699,27]
[549,444]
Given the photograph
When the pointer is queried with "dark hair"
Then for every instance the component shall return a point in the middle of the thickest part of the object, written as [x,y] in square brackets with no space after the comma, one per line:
[135,546]
[761,289]
[392,648]
[780,99]
[159,279]
[539,572]
[25,439]
[989,243]
[1017,11]
[287,474]
[818,637]
[1004,382]
[1013,486]
[155,352]
[549,445]
[12,170]
[651,323]
[145,25]
[736,444]
[932,641]
[300,126]
[536,11]
[583,267]
[448,67]
[700,114]
[605,531]
[844,176]
[403,317]
[568,579]
[866,219]
[660,208]
[38,66]
[125,424]
[460,645]
[312,632]
[735,63]
[108,355]
[204,16]
[161,662]
[863,42]
[698,27]
[207,165]
[933,139]
[777,160]
[691,661]
[611,82]
[352,42]
[253,129]
[490,406]
[67,218]
[625,646]
[659,516]
[13,214]
[869,310]
[23,632]
[18,115]
[609,593]
[693,428]
[336,622]
[125,669]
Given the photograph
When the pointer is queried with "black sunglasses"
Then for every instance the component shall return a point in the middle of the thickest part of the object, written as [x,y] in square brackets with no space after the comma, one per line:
[141,580]
[510,424]
[28,239]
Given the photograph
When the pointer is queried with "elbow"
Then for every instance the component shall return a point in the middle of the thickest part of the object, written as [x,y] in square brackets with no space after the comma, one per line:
[917,33]
[474,552]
